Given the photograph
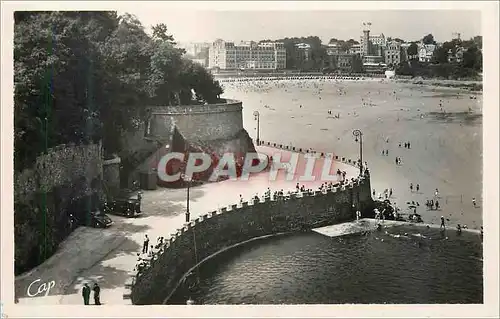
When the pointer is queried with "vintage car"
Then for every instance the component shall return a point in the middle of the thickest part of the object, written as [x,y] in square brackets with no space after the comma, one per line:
[98,219]
[124,205]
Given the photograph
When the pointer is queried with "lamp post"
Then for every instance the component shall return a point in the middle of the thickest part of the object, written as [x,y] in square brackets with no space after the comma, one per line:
[188,180]
[358,134]
[256,115]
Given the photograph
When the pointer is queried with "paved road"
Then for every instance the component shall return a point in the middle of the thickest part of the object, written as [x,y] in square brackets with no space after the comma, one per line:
[107,256]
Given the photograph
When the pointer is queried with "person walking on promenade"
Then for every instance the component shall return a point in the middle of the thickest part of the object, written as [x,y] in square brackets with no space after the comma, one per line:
[86,294]
[437,205]
[418,187]
[443,226]
[97,294]
[145,245]
[411,187]
[358,214]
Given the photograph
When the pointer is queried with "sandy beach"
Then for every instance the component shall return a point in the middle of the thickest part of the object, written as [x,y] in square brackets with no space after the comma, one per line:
[443,126]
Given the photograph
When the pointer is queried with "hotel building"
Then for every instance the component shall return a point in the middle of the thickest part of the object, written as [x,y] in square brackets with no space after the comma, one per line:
[246,55]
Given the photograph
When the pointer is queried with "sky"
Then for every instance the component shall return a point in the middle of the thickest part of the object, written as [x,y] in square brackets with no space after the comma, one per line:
[205,25]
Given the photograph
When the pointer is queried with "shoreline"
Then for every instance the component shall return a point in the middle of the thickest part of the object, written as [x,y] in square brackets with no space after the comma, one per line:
[469,85]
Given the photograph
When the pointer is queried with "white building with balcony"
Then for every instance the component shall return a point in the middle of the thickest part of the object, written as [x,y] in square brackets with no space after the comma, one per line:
[425,52]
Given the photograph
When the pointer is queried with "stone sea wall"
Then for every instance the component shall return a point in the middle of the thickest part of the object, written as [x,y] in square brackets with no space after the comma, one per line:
[63,179]
[218,230]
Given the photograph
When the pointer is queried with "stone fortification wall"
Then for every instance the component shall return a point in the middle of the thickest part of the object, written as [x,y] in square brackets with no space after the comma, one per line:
[66,178]
[200,122]
[211,128]
[59,166]
[218,230]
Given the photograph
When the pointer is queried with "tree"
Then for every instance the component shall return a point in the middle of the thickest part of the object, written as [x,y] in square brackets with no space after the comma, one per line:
[412,49]
[160,33]
[96,66]
[478,40]
[429,39]
[333,40]
[440,55]
[473,59]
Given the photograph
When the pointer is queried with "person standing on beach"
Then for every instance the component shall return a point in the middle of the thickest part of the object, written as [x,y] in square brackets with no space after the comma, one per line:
[145,244]
[86,294]
[474,202]
[443,226]
[390,192]
[418,187]
[411,187]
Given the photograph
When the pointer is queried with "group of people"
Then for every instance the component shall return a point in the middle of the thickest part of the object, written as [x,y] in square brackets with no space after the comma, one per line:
[432,204]
[406,145]
[149,252]
[417,187]
[86,294]
[386,194]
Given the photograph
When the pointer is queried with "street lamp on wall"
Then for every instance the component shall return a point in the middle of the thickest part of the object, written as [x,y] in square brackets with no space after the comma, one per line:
[186,179]
[359,137]
[256,115]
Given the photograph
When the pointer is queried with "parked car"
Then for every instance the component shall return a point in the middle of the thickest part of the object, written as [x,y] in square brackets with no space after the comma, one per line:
[124,205]
[99,219]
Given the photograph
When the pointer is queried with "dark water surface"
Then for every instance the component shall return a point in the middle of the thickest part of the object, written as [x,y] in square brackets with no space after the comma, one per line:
[425,266]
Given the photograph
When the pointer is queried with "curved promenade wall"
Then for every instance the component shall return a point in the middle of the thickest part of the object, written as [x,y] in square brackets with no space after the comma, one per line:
[218,230]
[199,122]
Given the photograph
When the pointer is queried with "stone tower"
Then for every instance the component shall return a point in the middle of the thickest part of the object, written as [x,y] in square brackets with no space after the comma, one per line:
[366,42]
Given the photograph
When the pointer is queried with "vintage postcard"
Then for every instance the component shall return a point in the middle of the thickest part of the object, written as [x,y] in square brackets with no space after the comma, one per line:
[257,159]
